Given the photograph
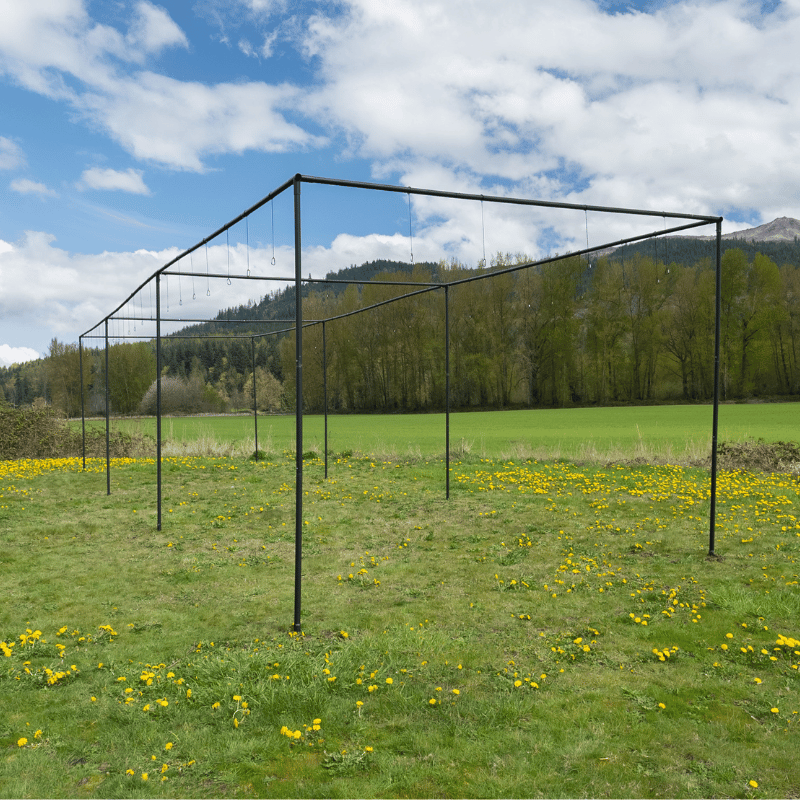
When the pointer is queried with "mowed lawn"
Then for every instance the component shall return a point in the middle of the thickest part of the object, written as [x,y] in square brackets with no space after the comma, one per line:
[662,431]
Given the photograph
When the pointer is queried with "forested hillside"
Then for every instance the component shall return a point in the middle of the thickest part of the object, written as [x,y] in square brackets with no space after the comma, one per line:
[689,250]
[630,327]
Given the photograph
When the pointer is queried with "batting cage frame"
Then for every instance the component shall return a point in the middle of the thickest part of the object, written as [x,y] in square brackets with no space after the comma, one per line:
[415,289]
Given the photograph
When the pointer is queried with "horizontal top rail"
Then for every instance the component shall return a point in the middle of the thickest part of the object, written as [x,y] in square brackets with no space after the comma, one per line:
[264,200]
[385,187]
[410,190]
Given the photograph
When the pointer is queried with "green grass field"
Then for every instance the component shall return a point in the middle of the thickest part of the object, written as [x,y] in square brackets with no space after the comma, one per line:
[551,631]
[666,433]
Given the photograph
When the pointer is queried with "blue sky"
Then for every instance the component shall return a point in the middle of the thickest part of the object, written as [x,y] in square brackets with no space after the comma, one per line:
[130,129]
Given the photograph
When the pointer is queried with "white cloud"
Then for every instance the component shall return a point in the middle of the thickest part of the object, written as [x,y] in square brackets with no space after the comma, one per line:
[60,294]
[268,48]
[16,355]
[54,48]
[232,13]
[695,104]
[25,186]
[11,155]
[45,43]
[46,291]
[153,29]
[265,6]
[113,180]
[177,123]
[247,48]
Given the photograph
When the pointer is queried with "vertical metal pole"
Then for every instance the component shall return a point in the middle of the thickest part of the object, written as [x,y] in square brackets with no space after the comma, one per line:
[298,310]
[83,402]
[158,398]
[255,396]
[108,423]
[447,385]
[325,392]
[715,419]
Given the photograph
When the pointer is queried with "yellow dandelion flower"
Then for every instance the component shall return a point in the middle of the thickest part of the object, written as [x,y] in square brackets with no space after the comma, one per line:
[22,742]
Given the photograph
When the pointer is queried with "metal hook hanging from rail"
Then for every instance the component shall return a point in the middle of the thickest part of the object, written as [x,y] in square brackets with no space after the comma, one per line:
[272,209]
[410,231]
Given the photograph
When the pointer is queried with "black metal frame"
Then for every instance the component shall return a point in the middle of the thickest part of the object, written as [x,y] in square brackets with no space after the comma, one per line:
[295,184]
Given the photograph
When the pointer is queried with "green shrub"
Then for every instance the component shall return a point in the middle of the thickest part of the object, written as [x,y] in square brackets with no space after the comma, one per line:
[34,433]
[182,396]
[40,432]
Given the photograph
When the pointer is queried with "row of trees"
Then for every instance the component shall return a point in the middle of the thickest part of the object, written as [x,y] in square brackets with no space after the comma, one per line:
[638,330]
[200,375]
[563,333]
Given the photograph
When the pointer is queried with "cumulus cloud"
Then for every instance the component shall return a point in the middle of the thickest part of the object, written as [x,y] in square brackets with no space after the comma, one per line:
[694,104]
[46,288]
[11,155]
[16,355]
[113,180]
[56,49]
[44,44]
[46,291]
[26,186]
[178,123]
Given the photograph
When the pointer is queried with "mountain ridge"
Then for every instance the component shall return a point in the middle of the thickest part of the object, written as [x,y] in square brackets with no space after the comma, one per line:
[781,229]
